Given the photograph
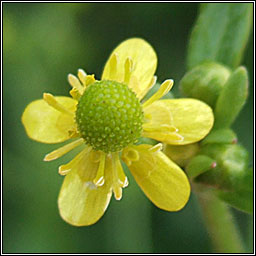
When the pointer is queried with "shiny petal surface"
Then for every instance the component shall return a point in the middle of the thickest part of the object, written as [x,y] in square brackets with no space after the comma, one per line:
[163,182]
[192,118]
[143,67]
[45,124]
[80,201]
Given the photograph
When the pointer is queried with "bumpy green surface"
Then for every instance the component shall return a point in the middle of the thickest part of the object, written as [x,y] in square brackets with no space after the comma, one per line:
[109,116]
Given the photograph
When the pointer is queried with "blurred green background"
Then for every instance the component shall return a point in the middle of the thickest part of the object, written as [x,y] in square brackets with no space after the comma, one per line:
[44,42]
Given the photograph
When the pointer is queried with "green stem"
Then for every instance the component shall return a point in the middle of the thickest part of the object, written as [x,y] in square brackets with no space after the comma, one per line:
[220,224]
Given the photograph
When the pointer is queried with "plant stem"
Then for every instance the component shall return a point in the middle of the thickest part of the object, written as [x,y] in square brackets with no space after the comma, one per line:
[220,224]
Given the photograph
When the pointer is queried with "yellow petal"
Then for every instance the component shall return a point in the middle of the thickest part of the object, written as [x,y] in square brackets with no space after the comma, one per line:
[45,124]
[192,118]
[80,201]
[163,182]
[142,61]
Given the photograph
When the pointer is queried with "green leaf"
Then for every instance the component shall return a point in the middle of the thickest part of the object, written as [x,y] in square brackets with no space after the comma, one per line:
[242,200]
[220,34]
[231,99]
[242,197]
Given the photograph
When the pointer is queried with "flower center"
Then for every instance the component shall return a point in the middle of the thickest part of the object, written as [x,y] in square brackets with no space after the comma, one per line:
[109,116]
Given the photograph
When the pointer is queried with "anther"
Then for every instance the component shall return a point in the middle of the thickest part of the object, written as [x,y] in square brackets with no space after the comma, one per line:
[75,83]
[117,192]
[82,76]
[75,94]
[89,80]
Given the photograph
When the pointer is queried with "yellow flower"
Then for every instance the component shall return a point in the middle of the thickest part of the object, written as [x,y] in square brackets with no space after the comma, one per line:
[106,118]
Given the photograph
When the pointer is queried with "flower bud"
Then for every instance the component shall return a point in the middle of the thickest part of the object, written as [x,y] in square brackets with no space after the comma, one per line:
[231,165]
[232,98]
[204,82]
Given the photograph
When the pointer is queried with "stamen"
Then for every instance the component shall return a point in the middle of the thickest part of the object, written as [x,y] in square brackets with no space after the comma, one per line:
[64,172]
[82,75]
[119,180]
[175,137]
[49,98]
[75,94]
[75,83]
[63,150]
[130,155]
[149,127]
[152,82]
[164,89]
[128,68]
[158,147]
[99,179]
[147,117]
[126,160]
[66,168]
[73,133]
[95,156]
[117,193]
[113,66]
[90,79]
[122,179]
[168,137]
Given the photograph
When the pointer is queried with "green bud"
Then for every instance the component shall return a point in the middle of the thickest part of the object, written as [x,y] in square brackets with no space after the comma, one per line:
[181,154]
[231,165]
[242,196]
[205,82]
[231,99]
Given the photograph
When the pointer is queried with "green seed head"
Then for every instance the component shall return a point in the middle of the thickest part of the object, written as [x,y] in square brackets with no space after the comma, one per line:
[109,116]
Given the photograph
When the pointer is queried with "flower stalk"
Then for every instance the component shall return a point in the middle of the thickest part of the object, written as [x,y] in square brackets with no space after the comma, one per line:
[220,224]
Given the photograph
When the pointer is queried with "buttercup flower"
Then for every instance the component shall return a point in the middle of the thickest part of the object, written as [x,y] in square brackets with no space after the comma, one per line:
[106,119]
